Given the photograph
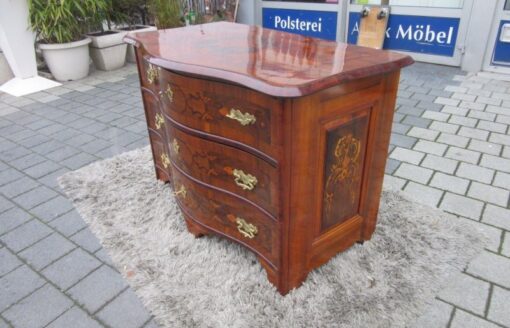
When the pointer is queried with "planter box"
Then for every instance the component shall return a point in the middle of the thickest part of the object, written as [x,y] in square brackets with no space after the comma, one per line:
[130,55]
[107,50]
[67,61]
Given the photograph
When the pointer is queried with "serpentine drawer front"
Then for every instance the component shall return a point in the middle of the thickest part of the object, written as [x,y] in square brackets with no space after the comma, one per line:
[273,140]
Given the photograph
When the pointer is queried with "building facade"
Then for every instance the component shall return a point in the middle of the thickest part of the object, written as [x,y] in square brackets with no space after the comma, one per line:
[471,34]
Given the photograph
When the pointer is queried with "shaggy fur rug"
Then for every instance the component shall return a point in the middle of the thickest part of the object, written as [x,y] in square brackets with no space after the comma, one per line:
[210,282]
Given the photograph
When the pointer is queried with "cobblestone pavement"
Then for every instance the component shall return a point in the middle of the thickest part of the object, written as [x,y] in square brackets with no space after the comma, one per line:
[450,149]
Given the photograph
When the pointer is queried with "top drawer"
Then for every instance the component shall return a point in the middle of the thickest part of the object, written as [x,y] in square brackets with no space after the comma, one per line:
[232,112]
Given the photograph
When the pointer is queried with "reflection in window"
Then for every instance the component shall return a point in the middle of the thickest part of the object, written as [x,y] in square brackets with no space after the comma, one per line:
[418,3]
[507,5]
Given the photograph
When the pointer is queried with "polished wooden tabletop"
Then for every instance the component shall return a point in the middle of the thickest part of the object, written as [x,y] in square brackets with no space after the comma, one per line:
[276,63]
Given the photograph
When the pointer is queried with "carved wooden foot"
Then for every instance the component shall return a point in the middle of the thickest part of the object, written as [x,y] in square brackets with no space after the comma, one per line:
[194,228]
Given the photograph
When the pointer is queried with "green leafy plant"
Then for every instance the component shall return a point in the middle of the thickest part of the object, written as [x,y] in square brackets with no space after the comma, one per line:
[129,12]
[62,21]
[167,13]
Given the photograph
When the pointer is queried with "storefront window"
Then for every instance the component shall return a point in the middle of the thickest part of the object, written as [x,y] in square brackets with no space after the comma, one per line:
[418,3]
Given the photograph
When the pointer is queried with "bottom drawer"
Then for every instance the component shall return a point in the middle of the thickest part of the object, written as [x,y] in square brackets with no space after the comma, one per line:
[228,216]
[160,156]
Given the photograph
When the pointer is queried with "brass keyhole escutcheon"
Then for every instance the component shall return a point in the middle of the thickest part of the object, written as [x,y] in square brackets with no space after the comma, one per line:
[152,74]
[246,229]
[165,160]
[175,146]
[243,118]
[181,191]
[243,180]
[159,121]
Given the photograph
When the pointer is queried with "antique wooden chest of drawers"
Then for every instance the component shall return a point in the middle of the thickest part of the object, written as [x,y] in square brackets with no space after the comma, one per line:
[273,140]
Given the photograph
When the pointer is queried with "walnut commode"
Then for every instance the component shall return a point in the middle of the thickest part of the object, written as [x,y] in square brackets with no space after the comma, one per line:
[273,140]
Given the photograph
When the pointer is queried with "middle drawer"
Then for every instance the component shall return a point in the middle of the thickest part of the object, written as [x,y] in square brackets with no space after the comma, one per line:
[227,168]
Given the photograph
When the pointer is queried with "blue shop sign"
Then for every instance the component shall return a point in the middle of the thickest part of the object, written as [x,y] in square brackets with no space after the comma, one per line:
[501,56]
[421,34]
[318,24]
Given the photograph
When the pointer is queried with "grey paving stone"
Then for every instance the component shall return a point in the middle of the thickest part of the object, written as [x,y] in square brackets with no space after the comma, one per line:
[8,261]
[69,223]
[463,96]
[463,319]
[406,155]
[393,183]
[75,318]
[52,209]
[79,160]
[502,180]
[492,126]
[48,147]
[423,194]
[391,166]
[414,173]
[12,154]
[62,153]
[71,268]
[447,101]
[473,133]
[455,110]
[503,119]
[17,284]
[494,234]
[491,267]
[125,311]
[500,95]
[410,110]
[498,310]
[489,194]
[497,110]
[475,172]
[416,121]
[25,235]
[35,197]
[406,102]
[39,309]
[46,251]
[440,164]
[87,240]
[461,205]
[27,161]
[12,218]
[485,147]
[444,127]
[506,152]
[422,133]
[449,182]
[9,175]
[436,116]
[482,115]
[34,140]
[436,315]
[112,151]
[506,245]
[430,147]
[42,169]
[472,105]
[397,128]
[397,117]
[98,288]
[467,293]
[454,88]
[18,187]
[95,146]
[463,121]
[500,139]
[4,324]
[463,155]
[454,140]
[80,139]
[497,216]
[402,141]
[50,180]
[489,101]
[494,162]
[102,254]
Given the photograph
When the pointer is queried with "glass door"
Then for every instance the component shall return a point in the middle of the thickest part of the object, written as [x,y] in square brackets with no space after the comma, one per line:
[497,58]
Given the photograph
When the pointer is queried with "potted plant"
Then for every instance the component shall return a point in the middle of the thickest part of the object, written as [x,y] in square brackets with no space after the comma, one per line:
[166,13]
[59,26]
[131,16]
[107,49]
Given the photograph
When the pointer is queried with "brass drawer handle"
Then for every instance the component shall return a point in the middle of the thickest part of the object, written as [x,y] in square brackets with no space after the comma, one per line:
[169,93]
[246,229]
[181,192]
[159,121]
[152,73]
[244,119]
[165,160]
[243,180]
[175,146]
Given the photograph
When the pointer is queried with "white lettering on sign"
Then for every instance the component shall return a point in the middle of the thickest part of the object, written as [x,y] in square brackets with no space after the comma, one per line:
[296,24]
[418,33]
